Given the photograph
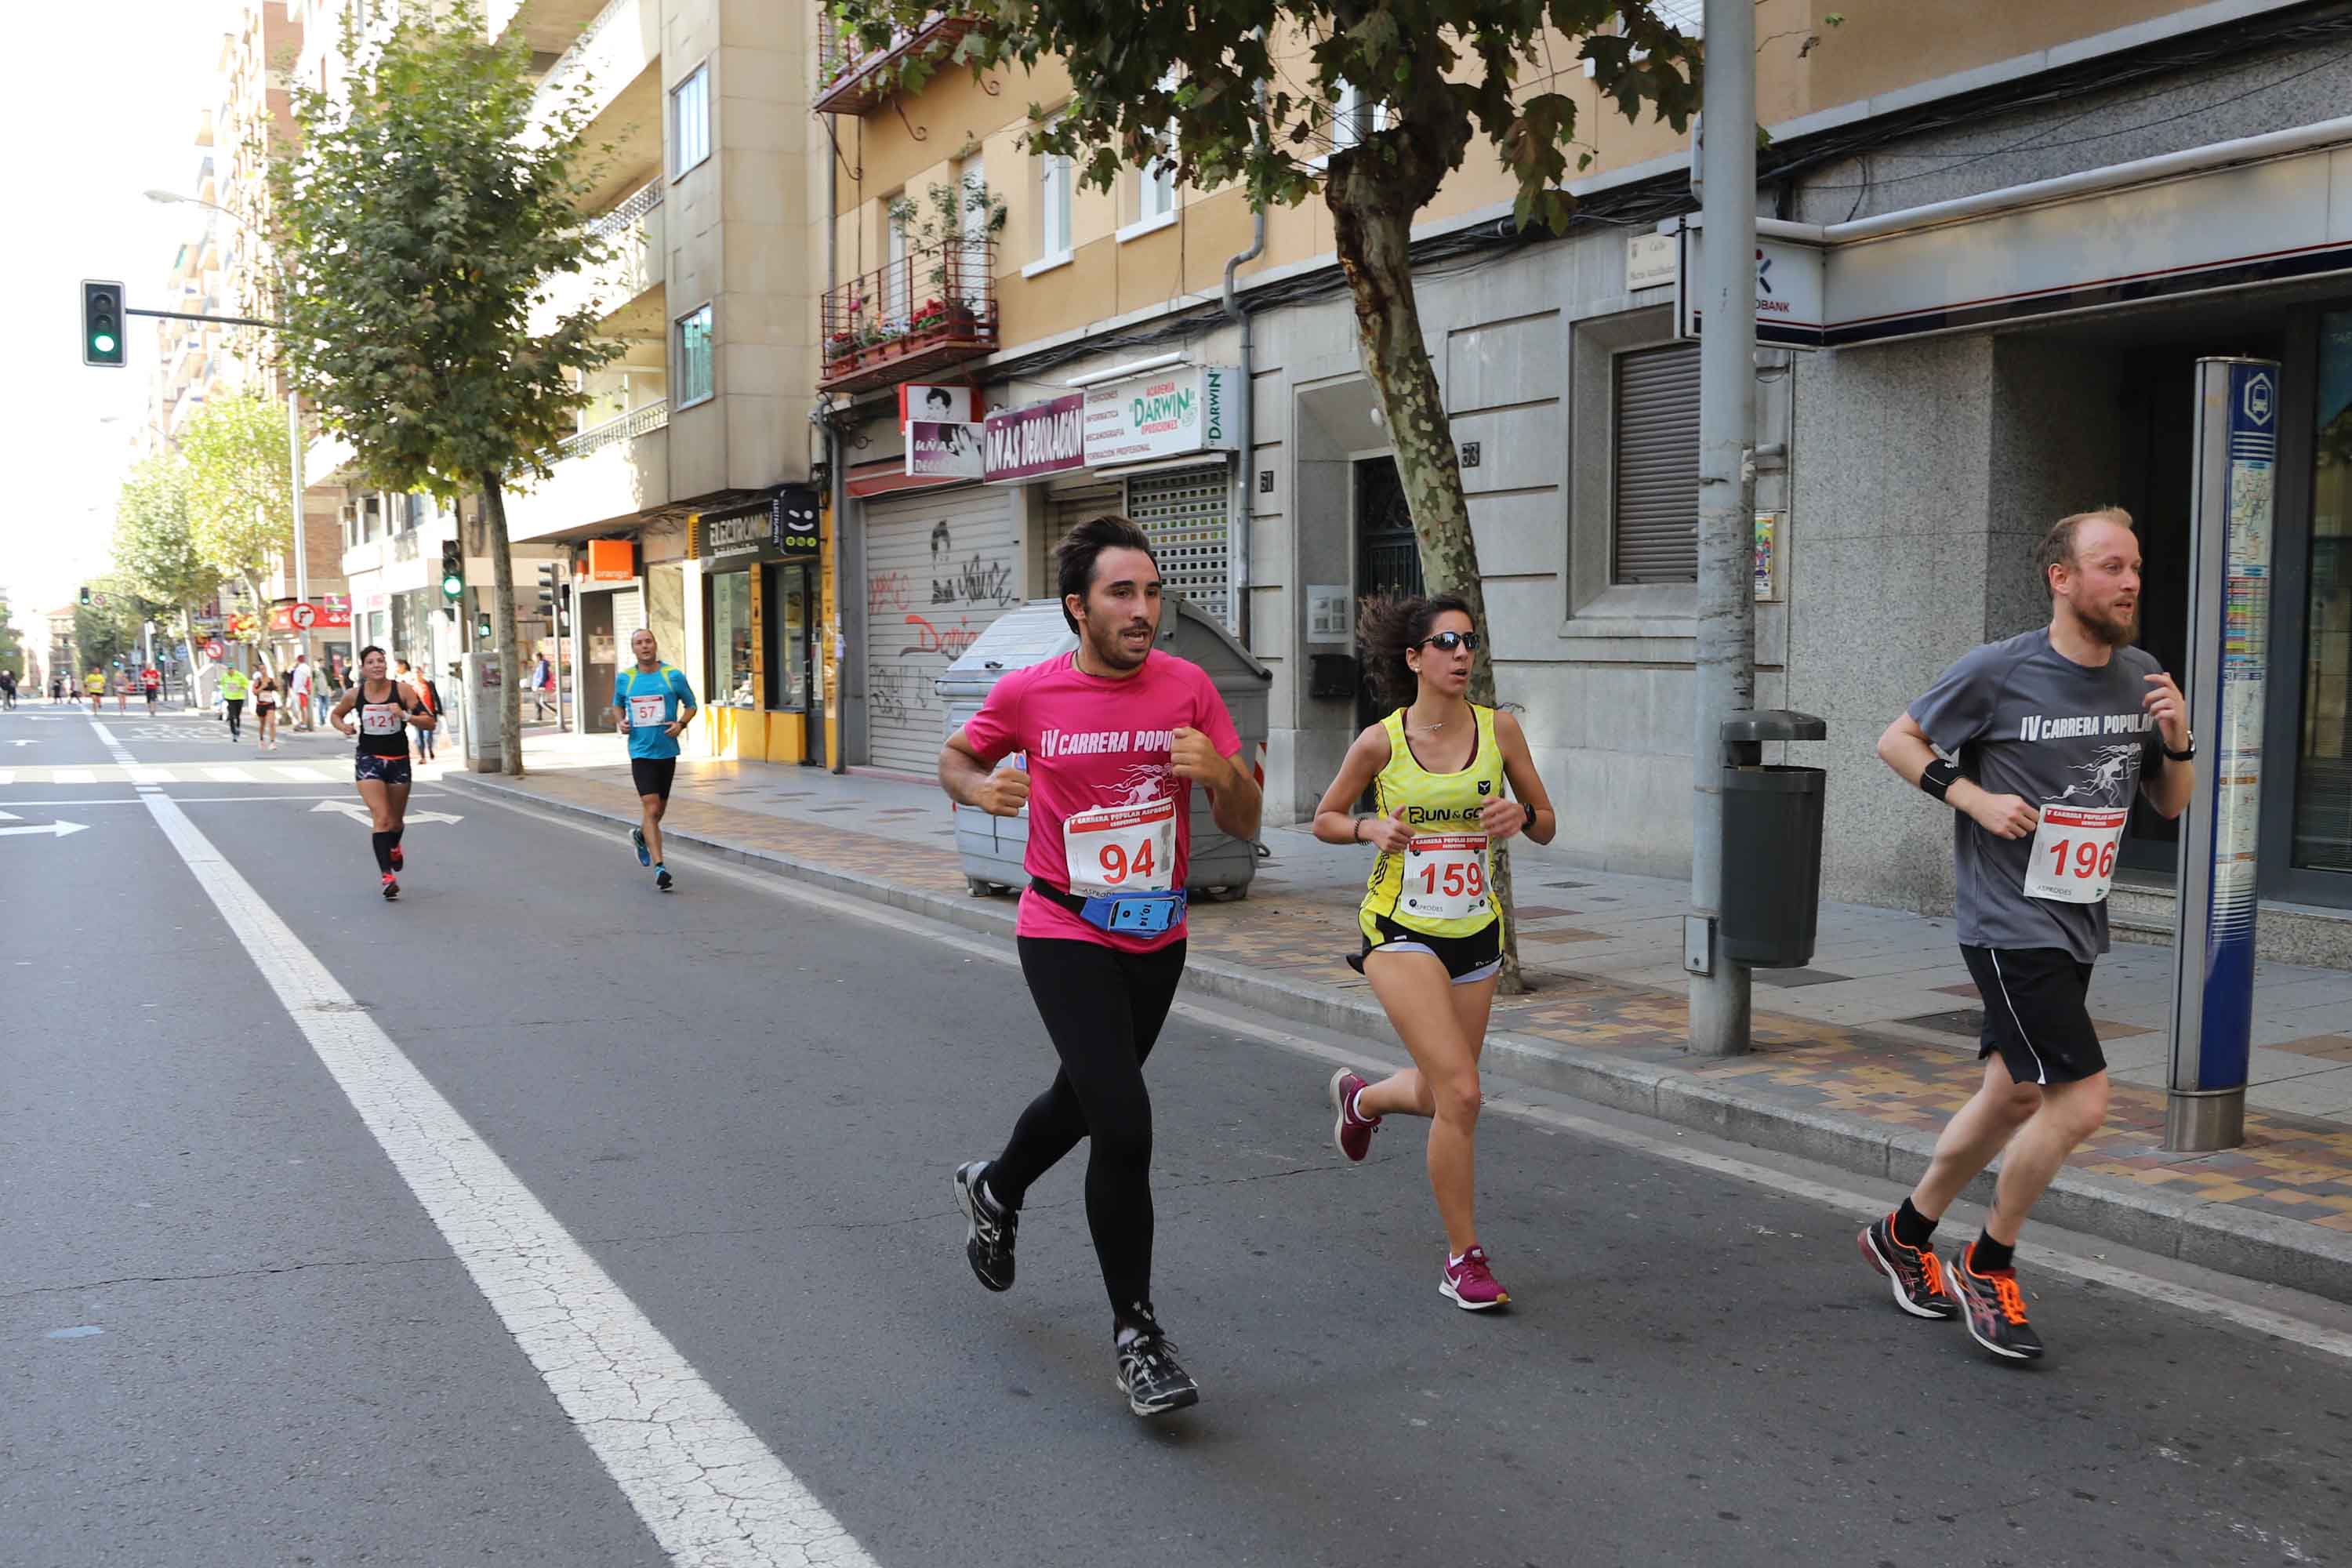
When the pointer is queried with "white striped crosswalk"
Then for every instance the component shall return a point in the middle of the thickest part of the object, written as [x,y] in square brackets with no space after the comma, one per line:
[228,775]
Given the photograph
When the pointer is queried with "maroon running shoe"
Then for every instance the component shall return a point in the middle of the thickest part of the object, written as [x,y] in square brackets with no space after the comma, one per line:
[1351,1134]
[1471,1285]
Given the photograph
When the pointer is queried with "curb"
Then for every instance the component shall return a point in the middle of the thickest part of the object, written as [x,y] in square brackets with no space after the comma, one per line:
[2242,1242]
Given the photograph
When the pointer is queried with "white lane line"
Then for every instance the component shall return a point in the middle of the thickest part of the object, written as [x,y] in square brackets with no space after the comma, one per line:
[72,775]
[229,775]
[8,775]
[705,1485]
[1854,1205]
[105,735]
[300,775]
[152,775]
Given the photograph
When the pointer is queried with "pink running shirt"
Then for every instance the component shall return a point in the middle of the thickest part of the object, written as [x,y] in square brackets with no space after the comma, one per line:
[1090,742]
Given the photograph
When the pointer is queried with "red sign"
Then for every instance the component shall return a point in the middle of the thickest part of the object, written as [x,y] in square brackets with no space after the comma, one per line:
[304,617]
[213,649]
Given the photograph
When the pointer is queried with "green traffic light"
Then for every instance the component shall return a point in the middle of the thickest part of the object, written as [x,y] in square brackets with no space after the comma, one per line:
[452,587]
[103,343]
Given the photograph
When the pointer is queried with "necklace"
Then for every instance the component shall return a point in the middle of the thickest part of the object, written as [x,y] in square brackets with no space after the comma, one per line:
[1427,729]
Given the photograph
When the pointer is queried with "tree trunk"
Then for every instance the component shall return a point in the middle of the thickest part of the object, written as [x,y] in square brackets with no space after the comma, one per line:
[1372,226]
[261,643]
[188,642]
[502,624]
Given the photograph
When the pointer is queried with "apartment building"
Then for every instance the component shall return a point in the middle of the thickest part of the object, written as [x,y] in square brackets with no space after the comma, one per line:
[1992,251]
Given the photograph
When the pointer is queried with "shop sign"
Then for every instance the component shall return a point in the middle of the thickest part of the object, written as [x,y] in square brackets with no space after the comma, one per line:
[782,526]
[1030,443]
[943,449]
[938,403]
[319,615]
[609,561]
[795,515]
[1169,413]
[375,602]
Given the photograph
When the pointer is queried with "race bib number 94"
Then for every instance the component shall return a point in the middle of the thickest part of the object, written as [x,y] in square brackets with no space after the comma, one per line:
[2074,853]
[1121,848]
[648,713]
[1445,877]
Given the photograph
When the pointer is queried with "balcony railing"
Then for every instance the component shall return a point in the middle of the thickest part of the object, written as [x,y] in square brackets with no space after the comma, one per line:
[613,224]
[852,79]
[933,308]
[639,421]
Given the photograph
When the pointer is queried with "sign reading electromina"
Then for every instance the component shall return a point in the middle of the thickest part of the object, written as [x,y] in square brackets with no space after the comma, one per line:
[1168,414]
[782,525]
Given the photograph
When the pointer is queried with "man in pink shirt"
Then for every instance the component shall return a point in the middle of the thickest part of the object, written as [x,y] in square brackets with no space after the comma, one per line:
[1115,735]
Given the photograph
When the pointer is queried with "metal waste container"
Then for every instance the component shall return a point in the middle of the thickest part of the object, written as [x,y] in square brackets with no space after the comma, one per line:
[992,848]
[1771,842]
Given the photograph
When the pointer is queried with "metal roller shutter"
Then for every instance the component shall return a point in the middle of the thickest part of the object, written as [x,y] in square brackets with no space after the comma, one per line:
[1654,524]
[940,566]
[1187,513]
[1067,508]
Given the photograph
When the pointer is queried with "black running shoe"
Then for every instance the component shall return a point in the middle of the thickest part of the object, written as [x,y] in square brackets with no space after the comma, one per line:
[1994,1308]
[988,1239]
[1917,1273]
[1147,1375]
[391,887]
[664,880]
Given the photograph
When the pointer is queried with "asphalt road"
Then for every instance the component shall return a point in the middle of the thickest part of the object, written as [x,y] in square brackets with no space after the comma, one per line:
[230,1333]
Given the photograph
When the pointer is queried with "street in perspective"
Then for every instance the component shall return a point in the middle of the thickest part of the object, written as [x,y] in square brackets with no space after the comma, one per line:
[870,784]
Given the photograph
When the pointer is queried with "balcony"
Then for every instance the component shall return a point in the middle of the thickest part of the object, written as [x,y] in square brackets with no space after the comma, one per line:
[613,51]
[854,80]
[640,250]
[934,308]
[611,470]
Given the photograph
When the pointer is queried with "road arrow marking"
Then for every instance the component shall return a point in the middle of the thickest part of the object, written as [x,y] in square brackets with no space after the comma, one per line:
[54,829]
[358,812]
[24,742]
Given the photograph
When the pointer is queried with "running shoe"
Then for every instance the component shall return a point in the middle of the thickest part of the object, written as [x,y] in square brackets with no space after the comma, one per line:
[391,887]
[638,837]
[1147,1375]
[1916,1273]
[399,860]
[1351,1135]
[988,1238]
[1471,1285]
[664,881]
[1994,1308]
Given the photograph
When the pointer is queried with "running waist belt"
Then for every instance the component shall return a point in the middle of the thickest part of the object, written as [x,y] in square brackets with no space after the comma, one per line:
[1134,914]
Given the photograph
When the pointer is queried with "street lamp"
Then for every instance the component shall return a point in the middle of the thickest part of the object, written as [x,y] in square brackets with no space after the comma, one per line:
[293,402]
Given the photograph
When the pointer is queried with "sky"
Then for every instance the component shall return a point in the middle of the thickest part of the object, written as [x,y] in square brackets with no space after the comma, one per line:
[78,213]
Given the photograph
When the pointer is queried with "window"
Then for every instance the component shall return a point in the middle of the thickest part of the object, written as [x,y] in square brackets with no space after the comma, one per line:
[971,266]
[1054,179]
[1353,118]
[1155,183]
[897,282]
[690,121]
[730,684]
[691,358]
[789,617]
[1653,504]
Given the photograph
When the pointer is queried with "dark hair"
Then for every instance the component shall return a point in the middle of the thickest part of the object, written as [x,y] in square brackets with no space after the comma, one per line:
[1074,558]
[1388,626]
[371,647]
[2058,544]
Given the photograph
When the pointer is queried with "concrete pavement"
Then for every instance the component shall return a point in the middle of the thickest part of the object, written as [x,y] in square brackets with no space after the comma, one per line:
[744,1100]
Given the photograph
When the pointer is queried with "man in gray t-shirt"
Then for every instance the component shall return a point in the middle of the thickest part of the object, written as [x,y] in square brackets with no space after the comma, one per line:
[2037,744]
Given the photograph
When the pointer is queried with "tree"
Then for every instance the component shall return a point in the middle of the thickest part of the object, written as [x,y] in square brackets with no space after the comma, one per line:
[155,550]
[12,646]
[420,220]
[239,494]
[1375,102]
[108,628]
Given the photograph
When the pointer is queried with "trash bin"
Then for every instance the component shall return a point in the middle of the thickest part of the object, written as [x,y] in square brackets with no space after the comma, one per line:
[992,848]
[1771,842]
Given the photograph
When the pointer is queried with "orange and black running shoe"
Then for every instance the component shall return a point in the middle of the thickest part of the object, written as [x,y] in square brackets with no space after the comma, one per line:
[1916,1272]
[1994,1308]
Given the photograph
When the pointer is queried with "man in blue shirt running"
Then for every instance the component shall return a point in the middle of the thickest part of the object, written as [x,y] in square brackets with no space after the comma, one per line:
[652,704]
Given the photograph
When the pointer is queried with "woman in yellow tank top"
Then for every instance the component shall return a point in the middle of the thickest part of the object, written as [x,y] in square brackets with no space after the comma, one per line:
[1439,767]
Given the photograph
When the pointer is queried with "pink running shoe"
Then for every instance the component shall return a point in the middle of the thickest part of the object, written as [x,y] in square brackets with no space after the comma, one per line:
[1471,1285]
[1351,1135]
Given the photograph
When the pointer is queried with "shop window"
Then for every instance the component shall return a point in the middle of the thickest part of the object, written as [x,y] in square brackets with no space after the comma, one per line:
[1653,501]
[2323,803]
[731,684]
[788,621]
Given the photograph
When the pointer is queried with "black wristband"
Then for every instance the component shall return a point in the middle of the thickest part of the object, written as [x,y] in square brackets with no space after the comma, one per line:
[1938,776]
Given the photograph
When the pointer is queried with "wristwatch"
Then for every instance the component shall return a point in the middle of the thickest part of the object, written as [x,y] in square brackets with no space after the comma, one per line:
[2180,756]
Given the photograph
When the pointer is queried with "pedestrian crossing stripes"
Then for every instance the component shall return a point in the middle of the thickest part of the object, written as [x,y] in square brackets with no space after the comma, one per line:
[228,775]
[182,773]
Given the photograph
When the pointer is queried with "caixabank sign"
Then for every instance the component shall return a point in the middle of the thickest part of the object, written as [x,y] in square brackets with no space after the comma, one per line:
[1170,412]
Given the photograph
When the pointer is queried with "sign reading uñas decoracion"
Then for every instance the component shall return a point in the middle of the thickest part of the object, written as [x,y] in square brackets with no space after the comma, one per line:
[1168,414]
[1030,443]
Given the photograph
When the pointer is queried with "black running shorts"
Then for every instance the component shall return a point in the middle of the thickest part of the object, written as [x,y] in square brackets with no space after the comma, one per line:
[383,770]
[1467,959]
[2034,1013]
[653,775]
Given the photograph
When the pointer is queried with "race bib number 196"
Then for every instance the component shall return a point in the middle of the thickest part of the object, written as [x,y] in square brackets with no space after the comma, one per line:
[2074,853]
[1121,848]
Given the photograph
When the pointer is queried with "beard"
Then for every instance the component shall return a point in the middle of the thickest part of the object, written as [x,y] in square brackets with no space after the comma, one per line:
[1108,645]
[2115,627]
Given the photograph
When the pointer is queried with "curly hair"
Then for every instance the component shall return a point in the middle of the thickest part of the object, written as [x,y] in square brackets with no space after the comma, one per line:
[1386,627]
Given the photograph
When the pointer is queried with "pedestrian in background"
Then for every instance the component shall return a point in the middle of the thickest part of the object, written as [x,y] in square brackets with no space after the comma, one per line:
[543,686]
[427,699]
[301,682]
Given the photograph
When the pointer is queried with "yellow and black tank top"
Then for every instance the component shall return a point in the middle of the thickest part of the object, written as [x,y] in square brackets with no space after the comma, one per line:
[1442,887]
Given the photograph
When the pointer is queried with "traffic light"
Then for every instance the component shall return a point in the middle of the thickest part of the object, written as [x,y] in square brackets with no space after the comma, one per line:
[102,323]
[547,577]
[85,594]
[453,571]
[482,629]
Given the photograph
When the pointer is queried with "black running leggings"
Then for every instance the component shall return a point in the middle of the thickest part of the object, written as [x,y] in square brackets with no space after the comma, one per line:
[1104,1009]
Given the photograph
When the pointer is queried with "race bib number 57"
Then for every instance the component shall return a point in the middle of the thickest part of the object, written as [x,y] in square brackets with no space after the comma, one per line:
[648,713]
[2074,853]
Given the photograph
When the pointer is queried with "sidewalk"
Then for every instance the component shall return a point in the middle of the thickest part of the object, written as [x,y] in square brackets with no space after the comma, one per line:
[1859,1059]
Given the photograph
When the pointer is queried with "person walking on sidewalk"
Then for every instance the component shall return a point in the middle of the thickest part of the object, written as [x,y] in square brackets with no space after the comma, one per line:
[1444,773]
[2037,744]
[382,770]
[300,691]
[652,705]
[1114,737]
[427,697]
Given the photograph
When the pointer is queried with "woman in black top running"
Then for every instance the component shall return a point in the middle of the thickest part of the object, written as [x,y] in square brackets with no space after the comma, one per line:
[384,713]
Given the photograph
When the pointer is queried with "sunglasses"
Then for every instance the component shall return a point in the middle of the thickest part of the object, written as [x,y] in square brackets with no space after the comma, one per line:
[1448,642]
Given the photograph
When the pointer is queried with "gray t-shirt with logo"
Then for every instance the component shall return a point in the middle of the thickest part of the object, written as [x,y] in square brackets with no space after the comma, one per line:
[2022,718]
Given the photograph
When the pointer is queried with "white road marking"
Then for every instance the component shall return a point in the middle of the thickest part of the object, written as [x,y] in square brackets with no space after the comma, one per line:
[55,829]
[229,775]
[708,1490]
[8,775]
[72,775]
[1844,1200]
[147,776]
[105,735]
[359,813]
[300,775]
